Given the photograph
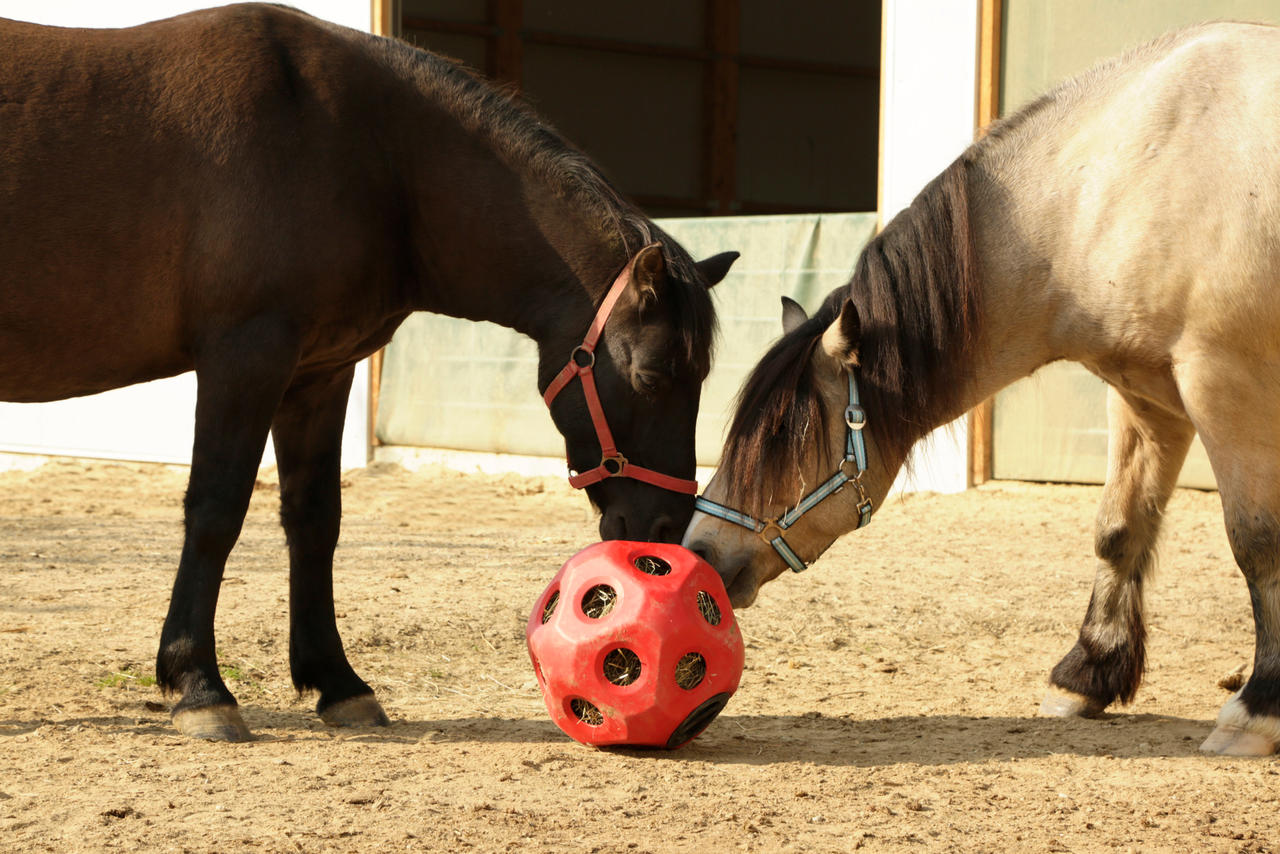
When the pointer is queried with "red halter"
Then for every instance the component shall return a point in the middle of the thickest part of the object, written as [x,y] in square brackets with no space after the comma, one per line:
[582,365]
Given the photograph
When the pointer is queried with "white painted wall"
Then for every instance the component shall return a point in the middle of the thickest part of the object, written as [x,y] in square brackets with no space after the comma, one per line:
[928,91]
[151,421]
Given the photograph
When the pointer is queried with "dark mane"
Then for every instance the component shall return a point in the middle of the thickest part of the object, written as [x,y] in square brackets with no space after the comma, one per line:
[524,139]
[916,291]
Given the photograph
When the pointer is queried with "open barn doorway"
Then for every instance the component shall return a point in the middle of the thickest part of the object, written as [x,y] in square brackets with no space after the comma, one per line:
[711,108]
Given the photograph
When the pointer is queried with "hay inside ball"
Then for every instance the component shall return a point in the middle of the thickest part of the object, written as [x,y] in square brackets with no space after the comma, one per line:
[635,644]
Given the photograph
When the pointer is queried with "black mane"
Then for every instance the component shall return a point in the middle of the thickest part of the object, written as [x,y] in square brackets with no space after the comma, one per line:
[524,139]
[916,291]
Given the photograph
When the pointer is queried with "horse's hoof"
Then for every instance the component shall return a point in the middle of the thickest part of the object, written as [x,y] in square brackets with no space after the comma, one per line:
[1239,733]
[356,711]
[1233,741]
[1061,703]
[214,723]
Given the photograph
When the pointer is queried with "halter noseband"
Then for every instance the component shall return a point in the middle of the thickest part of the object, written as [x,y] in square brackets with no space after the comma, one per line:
[581,364]
[772,530]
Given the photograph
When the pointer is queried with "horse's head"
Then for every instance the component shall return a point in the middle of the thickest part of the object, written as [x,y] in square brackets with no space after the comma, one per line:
[900,340]
[633,387]
[796,432]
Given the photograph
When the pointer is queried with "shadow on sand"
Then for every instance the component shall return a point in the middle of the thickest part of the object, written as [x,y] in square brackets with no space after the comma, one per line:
[813,738]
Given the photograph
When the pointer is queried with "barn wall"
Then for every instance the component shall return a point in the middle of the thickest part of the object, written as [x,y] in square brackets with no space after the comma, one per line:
[473,386]
[150,421]
[1053,426]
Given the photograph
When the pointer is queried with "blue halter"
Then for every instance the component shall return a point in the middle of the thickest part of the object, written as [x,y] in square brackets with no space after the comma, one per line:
[772,530]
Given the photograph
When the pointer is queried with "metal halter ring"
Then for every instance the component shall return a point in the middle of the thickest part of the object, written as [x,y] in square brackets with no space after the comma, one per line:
[614,464]
[590,354]
[771,531]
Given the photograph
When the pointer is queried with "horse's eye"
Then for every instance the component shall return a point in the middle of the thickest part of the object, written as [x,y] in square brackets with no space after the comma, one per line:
[648,383]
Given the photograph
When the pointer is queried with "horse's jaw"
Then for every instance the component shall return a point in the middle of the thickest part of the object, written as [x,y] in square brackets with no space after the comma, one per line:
[736,559]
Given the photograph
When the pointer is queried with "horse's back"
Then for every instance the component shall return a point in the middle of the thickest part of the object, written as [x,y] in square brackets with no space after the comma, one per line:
[159,176]
[1153,181]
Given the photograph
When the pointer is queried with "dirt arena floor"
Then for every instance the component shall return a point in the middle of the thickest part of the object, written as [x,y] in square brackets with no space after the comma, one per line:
[888,702]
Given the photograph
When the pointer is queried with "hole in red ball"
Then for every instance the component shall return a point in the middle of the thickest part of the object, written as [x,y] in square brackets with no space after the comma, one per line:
[599,601]
[586,712]
[622,666]
[708,608]
[651,565]
[550,608]
[690,671]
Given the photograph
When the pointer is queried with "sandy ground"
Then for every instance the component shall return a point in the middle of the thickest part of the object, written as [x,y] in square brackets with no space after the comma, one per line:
[888,701]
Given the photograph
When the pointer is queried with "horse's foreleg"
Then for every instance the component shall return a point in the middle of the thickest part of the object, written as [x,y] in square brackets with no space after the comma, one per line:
[240,379]
[1145,453]
[1249,722]
[308,439]
[1238,427]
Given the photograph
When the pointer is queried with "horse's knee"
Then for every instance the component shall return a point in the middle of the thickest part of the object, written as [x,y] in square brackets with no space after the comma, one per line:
[312,514]
[212,523]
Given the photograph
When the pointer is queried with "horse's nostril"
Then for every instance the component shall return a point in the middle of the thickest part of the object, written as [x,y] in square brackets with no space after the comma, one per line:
[704,551]
[613,526]
[663,531]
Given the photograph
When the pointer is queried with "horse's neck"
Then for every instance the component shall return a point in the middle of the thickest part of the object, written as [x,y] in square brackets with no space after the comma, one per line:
[491,240]
[485,251]
[1025,321]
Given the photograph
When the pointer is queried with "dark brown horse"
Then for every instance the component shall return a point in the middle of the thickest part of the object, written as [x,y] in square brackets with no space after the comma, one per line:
[263,197]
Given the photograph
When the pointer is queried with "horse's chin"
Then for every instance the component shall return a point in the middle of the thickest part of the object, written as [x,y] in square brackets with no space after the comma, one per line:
[743,589]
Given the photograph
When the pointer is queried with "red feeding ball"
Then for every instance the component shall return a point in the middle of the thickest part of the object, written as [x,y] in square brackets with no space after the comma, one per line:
[635,644]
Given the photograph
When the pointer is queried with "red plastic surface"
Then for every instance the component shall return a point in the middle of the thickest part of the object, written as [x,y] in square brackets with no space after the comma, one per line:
[656,617]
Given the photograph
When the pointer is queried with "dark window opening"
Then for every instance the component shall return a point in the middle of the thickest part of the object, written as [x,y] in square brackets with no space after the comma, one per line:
[708,108]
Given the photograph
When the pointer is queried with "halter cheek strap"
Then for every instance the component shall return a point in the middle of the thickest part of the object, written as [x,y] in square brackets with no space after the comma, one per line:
[772,530]
[581,364]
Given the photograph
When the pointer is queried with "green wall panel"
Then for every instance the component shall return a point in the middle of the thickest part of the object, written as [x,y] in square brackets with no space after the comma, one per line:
[450,383]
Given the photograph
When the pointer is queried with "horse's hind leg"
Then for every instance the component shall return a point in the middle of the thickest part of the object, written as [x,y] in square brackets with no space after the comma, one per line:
[1238,427]
[308,439]
[241,377]
[1145,453]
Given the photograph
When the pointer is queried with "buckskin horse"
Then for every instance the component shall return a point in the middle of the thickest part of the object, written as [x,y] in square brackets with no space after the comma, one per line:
[1128,220]
[263,197]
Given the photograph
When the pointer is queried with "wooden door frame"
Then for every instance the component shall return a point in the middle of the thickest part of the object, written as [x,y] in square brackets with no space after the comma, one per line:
[383,17]
[990,31]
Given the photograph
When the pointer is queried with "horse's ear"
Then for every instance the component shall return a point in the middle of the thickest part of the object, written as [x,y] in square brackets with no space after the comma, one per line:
[792,315]
[716,267]
[842,337]
[650,271]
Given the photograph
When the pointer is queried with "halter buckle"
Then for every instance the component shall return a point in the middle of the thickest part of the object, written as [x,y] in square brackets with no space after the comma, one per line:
[864,503]
[855,417]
